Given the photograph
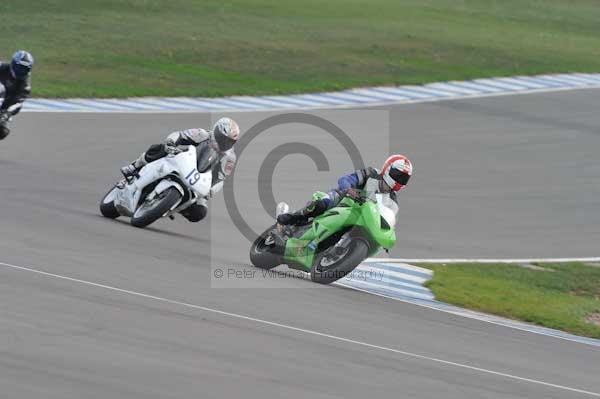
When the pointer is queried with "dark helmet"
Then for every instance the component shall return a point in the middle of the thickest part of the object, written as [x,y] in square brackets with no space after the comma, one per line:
[21,64]
[225,133]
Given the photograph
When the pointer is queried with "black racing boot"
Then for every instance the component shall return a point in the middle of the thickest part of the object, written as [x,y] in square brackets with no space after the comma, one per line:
[130,171]
[314,208]
[292,218]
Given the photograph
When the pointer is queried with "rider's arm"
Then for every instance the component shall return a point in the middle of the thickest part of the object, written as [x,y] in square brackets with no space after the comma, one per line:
[14,98]
[356,179]
[187,137]
[352,180]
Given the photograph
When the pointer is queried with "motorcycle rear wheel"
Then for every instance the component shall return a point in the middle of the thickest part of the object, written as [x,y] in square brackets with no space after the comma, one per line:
[150,211]
[356,253]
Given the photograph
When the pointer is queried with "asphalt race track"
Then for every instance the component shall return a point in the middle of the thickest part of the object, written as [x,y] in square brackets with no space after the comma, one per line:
[512,176]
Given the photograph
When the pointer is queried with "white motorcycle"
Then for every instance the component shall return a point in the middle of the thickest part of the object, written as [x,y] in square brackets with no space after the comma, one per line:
[164,187]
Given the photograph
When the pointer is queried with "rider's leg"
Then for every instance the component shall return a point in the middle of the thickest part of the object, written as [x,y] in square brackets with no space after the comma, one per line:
[312,209]
[156,151]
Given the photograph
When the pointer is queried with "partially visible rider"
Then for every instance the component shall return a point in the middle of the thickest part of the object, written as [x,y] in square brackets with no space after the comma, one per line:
[221,138]
[16,79]
[393,177]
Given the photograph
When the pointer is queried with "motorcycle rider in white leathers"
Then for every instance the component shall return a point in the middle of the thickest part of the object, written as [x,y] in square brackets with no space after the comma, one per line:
[221,139]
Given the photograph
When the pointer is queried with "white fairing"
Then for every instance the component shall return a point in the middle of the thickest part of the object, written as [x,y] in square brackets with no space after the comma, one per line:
[388,208]
[166,183]
[183,165]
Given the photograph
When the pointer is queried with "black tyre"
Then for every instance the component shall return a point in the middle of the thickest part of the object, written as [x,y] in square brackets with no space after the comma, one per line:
[325,271]
[107,205]
[260,254]
[150,211]
[4,131]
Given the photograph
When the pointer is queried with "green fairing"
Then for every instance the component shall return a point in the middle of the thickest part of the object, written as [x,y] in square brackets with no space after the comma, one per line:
[349,213]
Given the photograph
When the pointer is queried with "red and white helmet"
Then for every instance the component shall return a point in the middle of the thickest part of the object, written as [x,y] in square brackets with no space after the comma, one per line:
[396,171]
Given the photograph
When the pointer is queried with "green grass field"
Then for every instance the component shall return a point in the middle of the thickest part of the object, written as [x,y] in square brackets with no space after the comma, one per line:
[564,296]
[117,48]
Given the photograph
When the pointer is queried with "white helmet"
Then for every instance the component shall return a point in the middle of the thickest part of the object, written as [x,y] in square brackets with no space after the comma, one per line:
[225,133]
[396,171]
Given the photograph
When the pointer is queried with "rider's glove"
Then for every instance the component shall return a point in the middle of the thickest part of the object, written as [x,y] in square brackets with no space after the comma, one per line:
[371,172]
[170,148]
[353,193]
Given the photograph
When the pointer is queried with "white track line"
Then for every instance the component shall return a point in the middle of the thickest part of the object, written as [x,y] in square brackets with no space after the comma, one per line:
[473,315]
[305,331]
[480,316]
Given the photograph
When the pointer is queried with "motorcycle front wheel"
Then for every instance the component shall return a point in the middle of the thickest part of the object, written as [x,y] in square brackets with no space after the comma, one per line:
[260,252]
[152,210]
[107,205]
[329,267]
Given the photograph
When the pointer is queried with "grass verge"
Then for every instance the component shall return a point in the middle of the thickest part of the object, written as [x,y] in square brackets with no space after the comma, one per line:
[119,48]
[564,296]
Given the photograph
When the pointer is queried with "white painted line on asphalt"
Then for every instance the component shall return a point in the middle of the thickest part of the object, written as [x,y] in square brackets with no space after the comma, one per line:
[355,98]
[408,267]
[470,314]
[324,99]
[575,81]
[547,82]
[305,331]
[459,86]
[399,275]
[586,76]
[296,101]
[158,103]
[370,287]
[503,85]
[379,93]
[261,101]
[94,104]
[483,317]
[484,87]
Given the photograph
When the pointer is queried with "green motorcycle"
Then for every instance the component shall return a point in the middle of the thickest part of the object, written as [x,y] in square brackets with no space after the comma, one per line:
[331,245]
